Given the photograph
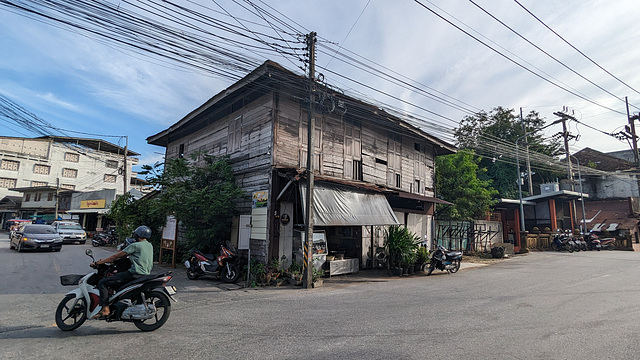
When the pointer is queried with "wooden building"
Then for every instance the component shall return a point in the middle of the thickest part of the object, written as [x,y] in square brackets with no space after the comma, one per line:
[372,168]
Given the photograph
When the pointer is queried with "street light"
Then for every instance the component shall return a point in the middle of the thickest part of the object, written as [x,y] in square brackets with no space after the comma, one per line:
[518,172]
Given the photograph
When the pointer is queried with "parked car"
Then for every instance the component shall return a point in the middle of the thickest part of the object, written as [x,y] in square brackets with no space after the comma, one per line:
[70,231]
[37,237]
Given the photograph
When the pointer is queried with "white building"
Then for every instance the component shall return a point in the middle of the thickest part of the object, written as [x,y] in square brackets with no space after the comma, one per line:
[68,163]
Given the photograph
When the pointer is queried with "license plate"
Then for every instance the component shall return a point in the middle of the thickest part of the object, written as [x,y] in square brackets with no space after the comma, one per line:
[170,289]
[44,246]
[72,236]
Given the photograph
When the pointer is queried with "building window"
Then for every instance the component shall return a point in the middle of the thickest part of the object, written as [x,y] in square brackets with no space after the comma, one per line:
[41,169]
[38,183]
[69,173]
[7,183]
[73,157]
[50,196]
[27,197]
[398,182]
[416,146]
[181,151]
[357,170]
[37,196]
[68,186]
[109,178]
[113,164]
[417,186]
[10,165]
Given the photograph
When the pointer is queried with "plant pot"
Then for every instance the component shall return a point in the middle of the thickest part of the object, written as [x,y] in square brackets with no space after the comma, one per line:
[405,271]
[395,271]
[317,283]
[418,267]
[412,269]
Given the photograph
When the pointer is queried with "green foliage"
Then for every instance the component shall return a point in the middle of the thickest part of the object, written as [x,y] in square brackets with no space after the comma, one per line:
[485,132]
[401,245]
[201,193]
[457,181]
[423,255]
[129,214]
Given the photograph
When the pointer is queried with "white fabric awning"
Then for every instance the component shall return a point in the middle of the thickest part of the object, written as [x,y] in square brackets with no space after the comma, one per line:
[88,211]
[338,206]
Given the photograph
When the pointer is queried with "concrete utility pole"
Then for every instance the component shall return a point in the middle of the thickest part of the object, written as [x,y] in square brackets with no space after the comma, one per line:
[565,134]
[632,127]
[307,276]
[526,144]
[124,166]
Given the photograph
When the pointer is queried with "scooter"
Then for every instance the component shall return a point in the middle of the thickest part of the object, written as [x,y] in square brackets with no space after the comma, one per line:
[608,243]
[562,242]
[143,301]
[593,242]
[445,260]
[103,239]
[224,266]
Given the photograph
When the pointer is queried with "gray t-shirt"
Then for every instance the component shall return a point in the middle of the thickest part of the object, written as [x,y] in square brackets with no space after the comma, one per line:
[141,256]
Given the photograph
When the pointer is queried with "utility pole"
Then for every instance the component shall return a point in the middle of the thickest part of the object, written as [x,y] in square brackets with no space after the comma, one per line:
[632,127]
[565,134]
[124,166]
[307,276]
[526,144]
[57,196]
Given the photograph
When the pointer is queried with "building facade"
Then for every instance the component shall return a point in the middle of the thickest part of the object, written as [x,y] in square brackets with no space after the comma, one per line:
[371,168]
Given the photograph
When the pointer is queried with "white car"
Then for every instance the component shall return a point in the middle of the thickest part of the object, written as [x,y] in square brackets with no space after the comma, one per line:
[70,232]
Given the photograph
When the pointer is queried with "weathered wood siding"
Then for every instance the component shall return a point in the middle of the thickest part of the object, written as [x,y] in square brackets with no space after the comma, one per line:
[381,156]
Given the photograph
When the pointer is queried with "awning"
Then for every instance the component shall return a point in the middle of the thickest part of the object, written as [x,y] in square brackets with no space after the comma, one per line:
[88,211]
[339,206]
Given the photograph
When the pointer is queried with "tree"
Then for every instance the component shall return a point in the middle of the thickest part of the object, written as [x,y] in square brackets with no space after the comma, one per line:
[457,182]
[201,193]
[494,134]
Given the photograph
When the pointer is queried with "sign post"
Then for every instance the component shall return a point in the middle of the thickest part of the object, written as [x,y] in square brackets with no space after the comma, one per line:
[168,241]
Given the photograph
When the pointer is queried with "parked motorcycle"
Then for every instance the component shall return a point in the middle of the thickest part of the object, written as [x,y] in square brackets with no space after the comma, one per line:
[608,243]
[224,266]
[581,243]
[143,301]
[104,239]
[593,242]
[562,242]
[445,260]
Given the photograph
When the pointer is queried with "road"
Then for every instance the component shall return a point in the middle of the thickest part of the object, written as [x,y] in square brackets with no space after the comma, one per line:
[536,306]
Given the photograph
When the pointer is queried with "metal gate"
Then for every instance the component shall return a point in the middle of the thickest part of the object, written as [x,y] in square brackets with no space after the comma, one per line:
[465,235]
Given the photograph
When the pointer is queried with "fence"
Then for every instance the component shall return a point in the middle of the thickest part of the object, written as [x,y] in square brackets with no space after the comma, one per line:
[475,236]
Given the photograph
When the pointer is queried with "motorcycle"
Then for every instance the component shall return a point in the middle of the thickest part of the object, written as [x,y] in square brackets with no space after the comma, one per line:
[143,301]
[593,242]
[581,243]
[224,266]
[103,239]
[562,242]
[445,260]
[608,243]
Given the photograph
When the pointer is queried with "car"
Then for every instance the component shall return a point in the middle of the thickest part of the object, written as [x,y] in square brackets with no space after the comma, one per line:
[36,237]
[70,231]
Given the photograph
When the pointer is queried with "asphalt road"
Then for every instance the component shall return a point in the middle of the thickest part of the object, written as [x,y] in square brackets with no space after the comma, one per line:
[536,306]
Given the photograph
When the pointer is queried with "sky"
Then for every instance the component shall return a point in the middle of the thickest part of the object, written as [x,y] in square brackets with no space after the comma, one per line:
[81,82]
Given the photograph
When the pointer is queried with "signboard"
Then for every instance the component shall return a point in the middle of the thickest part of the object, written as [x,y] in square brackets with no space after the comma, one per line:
[93,204]
[169,241]
[260,199]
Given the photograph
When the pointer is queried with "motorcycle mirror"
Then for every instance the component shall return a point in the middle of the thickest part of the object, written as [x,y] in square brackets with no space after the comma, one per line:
[89,253]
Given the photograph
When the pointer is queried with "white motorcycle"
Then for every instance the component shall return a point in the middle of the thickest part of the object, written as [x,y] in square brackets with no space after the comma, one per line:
[143,301]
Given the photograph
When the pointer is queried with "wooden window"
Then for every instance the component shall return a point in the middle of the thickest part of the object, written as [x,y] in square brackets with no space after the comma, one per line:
[235,135]
[38,183]
[27,197]
[37,196]
[109,178]
[69,173]
[113,164]
[357,170]
[398,181]
[417,190]
[50,196]
[7,183]
[68,186]
[181,151]
[73,157]
[41,169]
[10,165]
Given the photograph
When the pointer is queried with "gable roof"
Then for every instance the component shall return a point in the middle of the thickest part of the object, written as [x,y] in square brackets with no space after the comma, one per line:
[271,76]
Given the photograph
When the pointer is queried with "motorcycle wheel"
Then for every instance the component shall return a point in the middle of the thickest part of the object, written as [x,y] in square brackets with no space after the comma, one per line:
[163,309]
[94,243]
[583,247]
[570,248]
[429,269]
[192,275]
[70,318]
[230,276]
[554,247]
[456,266]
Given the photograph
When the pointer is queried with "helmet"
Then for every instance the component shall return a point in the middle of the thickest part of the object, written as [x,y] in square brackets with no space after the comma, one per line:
[142,232]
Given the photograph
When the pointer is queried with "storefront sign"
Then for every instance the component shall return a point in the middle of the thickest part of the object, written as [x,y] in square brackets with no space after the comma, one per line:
[93,204]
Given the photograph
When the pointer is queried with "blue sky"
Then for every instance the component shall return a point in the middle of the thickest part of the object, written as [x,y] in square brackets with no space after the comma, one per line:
[78,83]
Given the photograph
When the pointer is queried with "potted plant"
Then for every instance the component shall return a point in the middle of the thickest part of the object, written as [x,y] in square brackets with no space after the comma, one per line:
[422,258]
[401,245]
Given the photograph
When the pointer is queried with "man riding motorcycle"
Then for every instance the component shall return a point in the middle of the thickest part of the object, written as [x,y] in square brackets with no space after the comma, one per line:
[140,253]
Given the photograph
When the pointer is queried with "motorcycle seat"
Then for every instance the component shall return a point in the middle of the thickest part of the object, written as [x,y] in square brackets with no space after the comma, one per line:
[454,253]
[142,279]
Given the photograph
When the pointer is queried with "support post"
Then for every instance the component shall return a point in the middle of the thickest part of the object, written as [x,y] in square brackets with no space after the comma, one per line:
[307,276]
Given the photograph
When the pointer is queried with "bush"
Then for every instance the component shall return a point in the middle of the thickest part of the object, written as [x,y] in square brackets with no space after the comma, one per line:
[401,245]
